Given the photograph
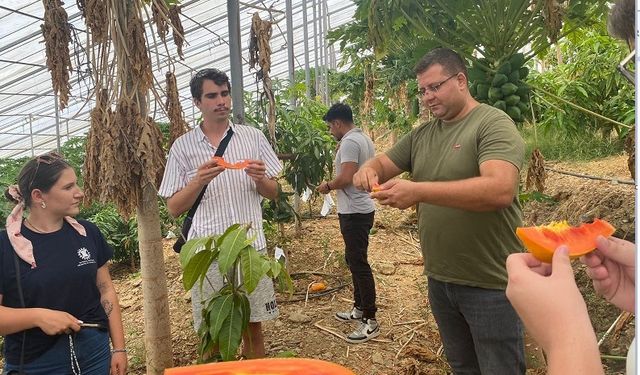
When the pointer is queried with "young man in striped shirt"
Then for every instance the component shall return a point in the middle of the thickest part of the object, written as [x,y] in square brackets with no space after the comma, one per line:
[232,196]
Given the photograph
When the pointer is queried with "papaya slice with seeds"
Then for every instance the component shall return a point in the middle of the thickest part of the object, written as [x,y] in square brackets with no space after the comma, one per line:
[223,163]
[542,241]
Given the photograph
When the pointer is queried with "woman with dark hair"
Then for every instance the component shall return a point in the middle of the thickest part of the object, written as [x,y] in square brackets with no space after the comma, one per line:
[58,306]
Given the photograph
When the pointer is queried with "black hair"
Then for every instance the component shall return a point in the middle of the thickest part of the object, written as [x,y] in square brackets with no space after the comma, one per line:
[41,172]
[215,75]
[339,111]
[621,21]
[450,61]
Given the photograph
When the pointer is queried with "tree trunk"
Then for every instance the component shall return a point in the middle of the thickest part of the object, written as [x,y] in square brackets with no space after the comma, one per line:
[157,325]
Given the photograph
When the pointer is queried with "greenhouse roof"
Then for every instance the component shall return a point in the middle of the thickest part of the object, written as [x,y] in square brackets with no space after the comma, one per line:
[28,121]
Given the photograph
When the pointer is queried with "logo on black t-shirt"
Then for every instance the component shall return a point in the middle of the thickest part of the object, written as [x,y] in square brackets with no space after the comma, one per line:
[85,257]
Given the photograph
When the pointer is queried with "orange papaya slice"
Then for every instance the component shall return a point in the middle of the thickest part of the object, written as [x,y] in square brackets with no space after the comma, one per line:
[542,241]
[265,366]
[223,163]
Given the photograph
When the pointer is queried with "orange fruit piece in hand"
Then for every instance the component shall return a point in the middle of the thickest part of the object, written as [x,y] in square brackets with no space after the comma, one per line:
[376,188]
[542,241]
[223,163]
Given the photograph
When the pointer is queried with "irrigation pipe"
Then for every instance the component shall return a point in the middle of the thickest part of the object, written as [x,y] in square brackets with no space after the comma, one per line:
[614,180]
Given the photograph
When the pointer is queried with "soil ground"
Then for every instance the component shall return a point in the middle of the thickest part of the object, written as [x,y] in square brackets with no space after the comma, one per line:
[409,343]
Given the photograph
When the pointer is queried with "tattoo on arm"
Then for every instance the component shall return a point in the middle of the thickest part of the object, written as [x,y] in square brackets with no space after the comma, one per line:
[108,306]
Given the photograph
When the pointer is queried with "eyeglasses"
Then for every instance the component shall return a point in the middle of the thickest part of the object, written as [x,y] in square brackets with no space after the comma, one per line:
[622,68]
[434,88]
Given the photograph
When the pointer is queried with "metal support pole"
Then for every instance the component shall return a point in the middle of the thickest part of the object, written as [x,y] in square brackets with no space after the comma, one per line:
[290,55]
[315,49]
[31,135]
[55,100]
[325,44]
[321,48]
[307,74]
[235,47]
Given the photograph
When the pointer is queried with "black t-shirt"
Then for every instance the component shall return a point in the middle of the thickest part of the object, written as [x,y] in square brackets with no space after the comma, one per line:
[64,279]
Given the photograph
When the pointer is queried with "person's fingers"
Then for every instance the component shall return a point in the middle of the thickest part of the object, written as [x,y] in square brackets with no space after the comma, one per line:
[561,263]
[597,273]
[618,250]
[592,259]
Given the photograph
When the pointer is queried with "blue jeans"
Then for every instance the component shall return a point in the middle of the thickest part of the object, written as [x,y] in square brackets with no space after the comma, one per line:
[91,347]
[481,332]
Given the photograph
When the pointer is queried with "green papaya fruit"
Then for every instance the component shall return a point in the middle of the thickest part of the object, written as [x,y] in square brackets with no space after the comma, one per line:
[512,100]
[499,80]
[523,91]
[523,72]
[501,105]
[482,90]
[505,68]
[495,93]
[516,60]
[514,77]
[524,107]
[508,89]
[514,112]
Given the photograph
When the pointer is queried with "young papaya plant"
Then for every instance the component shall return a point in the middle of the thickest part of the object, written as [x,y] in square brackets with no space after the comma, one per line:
[225,315]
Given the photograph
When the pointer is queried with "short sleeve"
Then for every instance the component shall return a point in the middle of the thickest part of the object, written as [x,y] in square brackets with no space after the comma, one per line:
[501,140]
[175,173]
[104,251]
[349,151]
[273,165]
[400,153]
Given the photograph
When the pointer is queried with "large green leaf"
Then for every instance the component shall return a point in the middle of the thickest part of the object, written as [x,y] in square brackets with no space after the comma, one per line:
[231,242]
[245,307]
[253,266]
[231,331]
[218,311]
[196,268]
[190,248]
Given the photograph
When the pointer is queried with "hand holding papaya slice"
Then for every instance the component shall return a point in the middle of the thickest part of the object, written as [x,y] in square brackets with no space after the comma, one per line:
[223,163]
[542,241]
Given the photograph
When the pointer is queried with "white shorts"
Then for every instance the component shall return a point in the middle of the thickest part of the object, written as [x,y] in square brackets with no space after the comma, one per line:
[262,300]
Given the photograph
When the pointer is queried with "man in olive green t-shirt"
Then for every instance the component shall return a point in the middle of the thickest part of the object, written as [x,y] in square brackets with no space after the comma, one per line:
[465,174]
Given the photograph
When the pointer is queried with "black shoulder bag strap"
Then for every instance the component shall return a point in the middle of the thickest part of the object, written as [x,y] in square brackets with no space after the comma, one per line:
[21,295]
[192,211]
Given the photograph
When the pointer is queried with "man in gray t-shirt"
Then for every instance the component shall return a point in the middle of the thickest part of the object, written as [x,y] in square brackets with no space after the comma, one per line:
[355,211]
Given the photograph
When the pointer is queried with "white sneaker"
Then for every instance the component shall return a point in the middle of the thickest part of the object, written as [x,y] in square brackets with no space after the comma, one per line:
[368,329]
[348,316]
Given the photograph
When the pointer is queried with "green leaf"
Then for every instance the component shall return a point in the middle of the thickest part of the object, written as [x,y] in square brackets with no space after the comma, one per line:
[196,268]
[231,332]
[245,307]
[190,248]
[231,242]
[253,266]
[218,312]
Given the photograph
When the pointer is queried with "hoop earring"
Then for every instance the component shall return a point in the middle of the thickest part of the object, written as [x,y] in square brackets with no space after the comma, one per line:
[43,205]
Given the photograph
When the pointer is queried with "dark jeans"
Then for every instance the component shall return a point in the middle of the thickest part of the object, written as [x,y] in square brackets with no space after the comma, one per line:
[481,332]
[355,232]
[91,347]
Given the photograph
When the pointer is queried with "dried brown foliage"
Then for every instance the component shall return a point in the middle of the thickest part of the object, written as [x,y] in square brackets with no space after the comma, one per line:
[159,10]
[536,174]
[139,61]
[260,54]
[57,36]
[150,154]
[96,16]
[178,30]
[178,126]
[100,118]
[630,149]
[553,12]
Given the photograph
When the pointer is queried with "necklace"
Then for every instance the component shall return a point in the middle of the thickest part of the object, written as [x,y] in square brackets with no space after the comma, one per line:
[35,228]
